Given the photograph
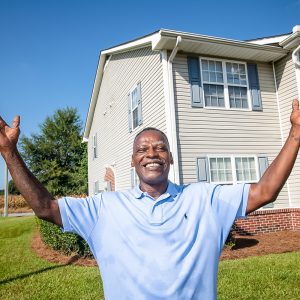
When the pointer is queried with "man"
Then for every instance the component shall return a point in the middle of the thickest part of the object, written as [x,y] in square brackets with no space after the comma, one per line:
[158,240]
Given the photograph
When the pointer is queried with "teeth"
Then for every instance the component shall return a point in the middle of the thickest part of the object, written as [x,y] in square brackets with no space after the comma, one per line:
[153,165]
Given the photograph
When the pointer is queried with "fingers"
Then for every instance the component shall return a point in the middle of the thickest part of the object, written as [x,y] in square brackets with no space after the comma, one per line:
[16,121]
[2,123]
[295,105]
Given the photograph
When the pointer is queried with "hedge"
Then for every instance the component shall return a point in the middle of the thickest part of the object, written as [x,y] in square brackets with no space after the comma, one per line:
[66,243]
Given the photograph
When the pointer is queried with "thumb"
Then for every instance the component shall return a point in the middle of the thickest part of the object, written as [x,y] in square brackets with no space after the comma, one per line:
[295,105]
[16,121]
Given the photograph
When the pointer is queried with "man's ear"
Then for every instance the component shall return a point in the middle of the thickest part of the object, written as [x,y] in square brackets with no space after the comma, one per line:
[171,159]
[132,164]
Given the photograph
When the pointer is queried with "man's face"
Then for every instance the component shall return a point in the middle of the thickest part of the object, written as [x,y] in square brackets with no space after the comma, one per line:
[151,158]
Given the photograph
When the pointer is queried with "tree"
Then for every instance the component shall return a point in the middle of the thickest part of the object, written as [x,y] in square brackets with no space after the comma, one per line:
[56,155]
[12,189]
[58,158]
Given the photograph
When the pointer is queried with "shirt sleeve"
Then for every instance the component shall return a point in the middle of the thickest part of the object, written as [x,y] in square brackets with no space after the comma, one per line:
[79,215]
[229,203]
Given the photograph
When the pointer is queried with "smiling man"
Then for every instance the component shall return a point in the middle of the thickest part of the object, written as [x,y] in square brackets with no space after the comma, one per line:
[159,240]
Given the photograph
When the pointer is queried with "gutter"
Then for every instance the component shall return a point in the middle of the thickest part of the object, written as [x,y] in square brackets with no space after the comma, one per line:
[170,109]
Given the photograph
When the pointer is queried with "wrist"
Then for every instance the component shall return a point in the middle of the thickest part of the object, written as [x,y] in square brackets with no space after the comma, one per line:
[295,133]
[9,153]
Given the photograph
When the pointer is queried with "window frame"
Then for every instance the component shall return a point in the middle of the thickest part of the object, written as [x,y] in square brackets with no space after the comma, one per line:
[225,84]
[233,167]
[95,146]
[96,187]
[135,108]
[133,178]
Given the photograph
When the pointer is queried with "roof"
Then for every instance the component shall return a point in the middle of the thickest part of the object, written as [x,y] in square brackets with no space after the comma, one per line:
[165,39]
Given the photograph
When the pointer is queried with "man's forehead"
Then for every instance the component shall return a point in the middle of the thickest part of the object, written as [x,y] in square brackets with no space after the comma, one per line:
[150,136]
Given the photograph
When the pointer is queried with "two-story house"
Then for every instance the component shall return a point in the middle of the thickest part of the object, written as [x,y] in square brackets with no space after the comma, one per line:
[224,105]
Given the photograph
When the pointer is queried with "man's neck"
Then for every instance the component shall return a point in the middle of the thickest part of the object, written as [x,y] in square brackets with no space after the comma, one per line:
[155,191]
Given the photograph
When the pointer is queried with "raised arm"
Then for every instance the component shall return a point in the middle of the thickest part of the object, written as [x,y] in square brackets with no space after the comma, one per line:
[36,195]
[271,183]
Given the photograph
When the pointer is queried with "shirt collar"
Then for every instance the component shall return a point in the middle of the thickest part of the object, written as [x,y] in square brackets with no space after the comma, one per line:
[172,190]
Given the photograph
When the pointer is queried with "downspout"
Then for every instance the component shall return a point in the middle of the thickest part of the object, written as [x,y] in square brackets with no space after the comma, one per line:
[296,60]
[171,106]
[281,128]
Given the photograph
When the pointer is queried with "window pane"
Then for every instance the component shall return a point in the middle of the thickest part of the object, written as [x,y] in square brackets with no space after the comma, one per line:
[204,64]
[236,73]
[213,163]
[245,169]
[214,95]
[220,169]
[135,122]
[134,101]
[205,76]
[212,71]
[214,175]
[238,97]
[219,66]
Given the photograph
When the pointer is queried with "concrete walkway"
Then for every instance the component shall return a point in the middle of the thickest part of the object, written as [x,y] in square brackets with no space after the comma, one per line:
[19,214]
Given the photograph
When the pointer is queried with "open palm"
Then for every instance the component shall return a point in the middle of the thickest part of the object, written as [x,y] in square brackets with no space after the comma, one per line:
[295,116]
[9,135]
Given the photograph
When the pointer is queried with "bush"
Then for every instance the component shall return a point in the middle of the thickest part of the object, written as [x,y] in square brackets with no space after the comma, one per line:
[66,243]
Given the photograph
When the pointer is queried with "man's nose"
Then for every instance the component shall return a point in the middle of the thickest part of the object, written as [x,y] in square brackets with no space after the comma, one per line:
[151,152]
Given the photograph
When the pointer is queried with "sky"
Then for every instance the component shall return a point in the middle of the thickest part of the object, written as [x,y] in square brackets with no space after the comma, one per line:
[49,50]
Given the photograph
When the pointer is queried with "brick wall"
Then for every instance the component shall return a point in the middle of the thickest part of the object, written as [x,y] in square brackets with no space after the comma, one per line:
[271,220]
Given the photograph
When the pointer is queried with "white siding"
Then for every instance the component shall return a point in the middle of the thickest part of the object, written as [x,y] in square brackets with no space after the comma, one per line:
[203,131]
[287,91]
[122,73]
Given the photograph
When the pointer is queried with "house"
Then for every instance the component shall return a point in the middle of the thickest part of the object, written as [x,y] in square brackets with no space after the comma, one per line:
[224,105]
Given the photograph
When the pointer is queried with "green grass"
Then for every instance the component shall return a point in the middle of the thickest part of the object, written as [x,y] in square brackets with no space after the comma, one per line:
[25,276]
[275,276]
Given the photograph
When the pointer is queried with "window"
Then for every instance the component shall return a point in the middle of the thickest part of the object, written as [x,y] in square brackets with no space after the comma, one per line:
[225,84]
[96,187]
[94,146]
[107,186]
[135,107]
[134,178]
[233,169]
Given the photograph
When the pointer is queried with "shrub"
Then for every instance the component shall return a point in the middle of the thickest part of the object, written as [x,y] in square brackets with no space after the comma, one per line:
[66,243]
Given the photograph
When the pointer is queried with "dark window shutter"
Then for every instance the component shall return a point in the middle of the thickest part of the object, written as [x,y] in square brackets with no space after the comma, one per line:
[139,95]
[254,87]
[263,164]
[129,113]
[195,81]
[202,168]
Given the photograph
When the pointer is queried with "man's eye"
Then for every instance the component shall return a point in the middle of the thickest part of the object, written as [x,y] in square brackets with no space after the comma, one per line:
[162,148]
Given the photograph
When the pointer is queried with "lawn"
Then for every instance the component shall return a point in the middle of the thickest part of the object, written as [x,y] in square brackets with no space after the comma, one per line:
[25,276]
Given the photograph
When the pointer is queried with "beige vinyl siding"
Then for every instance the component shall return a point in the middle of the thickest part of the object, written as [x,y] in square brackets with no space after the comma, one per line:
[121,75]
[203,131]
[287,91]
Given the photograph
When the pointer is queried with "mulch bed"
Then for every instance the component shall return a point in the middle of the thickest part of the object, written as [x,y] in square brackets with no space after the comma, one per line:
[245,246]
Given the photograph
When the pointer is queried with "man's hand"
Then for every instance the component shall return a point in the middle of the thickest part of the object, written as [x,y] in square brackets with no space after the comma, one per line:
[36,195]
[9,135]
[295,121]
[295,115]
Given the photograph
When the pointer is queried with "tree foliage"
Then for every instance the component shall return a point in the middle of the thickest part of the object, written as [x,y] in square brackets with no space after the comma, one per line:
[56,155]
[12,189]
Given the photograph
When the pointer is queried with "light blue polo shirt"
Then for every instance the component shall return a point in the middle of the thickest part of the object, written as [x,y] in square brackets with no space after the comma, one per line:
[167,248]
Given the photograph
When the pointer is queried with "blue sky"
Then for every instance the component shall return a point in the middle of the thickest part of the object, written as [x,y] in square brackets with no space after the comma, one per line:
[49,49]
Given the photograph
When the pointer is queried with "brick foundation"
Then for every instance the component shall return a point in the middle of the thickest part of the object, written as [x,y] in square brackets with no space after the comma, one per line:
[271,220]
